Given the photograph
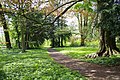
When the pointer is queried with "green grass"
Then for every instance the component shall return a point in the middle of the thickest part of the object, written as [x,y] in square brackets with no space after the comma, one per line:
[76,52]
[80,52]
[34,65]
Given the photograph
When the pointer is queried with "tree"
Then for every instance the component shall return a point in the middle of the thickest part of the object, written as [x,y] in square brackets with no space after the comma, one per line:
[108,31]
[109,27]
[22,7]
[16,30]
[83,12]
[7,37]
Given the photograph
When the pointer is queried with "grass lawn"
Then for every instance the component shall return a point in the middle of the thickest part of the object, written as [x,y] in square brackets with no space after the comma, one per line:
[34,65]
[80,52]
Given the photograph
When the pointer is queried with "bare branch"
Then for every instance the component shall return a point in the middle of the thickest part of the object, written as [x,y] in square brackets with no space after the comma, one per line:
[66,10]
[60,7]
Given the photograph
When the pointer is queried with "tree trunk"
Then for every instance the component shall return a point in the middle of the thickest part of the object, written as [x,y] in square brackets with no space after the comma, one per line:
[107,44]
[27,40]
[23,39]
[61,41]
[7,37]
[102,43]
[53,42]
[80,23]
[18,36]
[82,40]
[22,22]
[58,41]
[27,35]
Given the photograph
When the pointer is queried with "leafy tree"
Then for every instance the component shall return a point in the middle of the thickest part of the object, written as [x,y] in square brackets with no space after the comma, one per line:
[16,30]
[84,14]
[110,27]
[59,33]
[36,32]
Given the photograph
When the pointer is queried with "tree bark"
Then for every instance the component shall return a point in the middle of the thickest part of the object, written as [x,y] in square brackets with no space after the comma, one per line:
[27,40]
[7,37]
[18,36]
[58,41]
[107,44]
[23,38]
[61,41]
[82,41]
[102,43]
[27,36]
[53,42]
[80,23]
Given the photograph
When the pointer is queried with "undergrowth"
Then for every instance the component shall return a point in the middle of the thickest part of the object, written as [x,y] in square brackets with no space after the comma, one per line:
[34,65]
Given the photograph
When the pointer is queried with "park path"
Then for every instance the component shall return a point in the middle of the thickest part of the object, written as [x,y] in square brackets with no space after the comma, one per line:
[91,71]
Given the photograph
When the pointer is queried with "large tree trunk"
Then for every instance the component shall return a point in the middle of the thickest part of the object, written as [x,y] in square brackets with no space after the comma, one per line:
[107,44]
[7,37]
[102,43]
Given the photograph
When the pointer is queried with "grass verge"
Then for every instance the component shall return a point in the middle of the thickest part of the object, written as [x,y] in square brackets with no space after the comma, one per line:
[34,65]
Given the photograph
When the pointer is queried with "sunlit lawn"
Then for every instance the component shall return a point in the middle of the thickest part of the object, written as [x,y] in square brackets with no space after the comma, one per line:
[77,52]
[80,52]
[33,65]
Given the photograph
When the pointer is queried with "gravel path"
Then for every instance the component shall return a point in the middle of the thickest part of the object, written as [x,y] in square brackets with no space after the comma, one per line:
[91,71]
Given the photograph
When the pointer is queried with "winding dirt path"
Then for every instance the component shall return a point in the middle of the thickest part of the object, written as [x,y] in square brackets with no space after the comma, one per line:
[92,71]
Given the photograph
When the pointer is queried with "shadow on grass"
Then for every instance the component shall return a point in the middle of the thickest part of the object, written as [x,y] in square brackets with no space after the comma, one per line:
[2,75]
[17,51]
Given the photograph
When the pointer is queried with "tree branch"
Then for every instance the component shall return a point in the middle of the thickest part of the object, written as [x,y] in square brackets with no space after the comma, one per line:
[66,10]
[60,7]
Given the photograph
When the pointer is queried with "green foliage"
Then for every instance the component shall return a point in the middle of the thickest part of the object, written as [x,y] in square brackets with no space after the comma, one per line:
[107,61]
[78,6]
[94,0]
[34,65]
[110,17]
[37,31]
[75,43]
[85,6]
[60,33]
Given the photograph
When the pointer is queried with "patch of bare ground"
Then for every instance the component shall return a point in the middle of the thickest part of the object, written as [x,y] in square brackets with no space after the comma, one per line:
[91,71]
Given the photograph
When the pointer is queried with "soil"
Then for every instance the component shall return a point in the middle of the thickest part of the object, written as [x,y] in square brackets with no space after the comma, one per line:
[89,70]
